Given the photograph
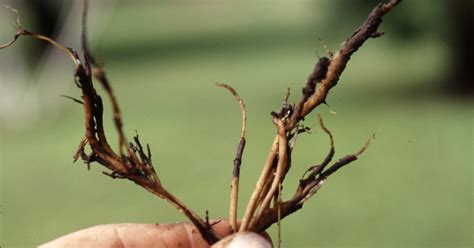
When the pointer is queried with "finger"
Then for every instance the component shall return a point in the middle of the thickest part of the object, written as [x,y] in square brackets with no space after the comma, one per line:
[243,239]
[140,235]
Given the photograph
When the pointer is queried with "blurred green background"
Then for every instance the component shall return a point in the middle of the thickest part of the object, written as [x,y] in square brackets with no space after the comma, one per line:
[412,188]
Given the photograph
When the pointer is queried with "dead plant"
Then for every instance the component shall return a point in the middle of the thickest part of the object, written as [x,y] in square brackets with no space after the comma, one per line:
[133,161]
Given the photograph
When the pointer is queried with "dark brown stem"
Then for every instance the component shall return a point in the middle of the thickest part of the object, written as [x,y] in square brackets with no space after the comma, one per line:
[200,224]
[136,164]
[308,187]
[338,63]
[324,76]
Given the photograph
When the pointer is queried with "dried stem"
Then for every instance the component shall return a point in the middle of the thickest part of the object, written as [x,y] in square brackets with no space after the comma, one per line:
[324,76]
[281,168]
[338,63]
[308,187]
[279,214]
[23,32]
[252,205]
[234,195]
[317,169]
[73,99]
[136,165]
[80,150]
[101,76]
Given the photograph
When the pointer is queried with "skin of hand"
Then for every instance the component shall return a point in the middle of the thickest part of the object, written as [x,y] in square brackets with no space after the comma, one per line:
[183,235]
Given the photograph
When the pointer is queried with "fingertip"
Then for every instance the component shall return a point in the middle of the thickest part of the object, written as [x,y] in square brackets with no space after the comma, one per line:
[243,239]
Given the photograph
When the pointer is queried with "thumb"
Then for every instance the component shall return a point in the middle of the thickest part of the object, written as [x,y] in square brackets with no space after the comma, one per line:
[243,239]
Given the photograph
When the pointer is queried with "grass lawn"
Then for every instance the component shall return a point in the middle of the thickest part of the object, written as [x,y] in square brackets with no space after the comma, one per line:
[412,187]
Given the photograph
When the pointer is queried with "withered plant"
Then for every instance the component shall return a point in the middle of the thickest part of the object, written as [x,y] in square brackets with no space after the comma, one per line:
[132,160]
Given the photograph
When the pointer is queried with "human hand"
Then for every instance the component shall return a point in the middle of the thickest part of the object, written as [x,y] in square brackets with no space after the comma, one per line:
[183,235]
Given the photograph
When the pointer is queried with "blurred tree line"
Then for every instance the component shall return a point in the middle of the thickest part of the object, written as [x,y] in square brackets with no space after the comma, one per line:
[451,22]
[46,17]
